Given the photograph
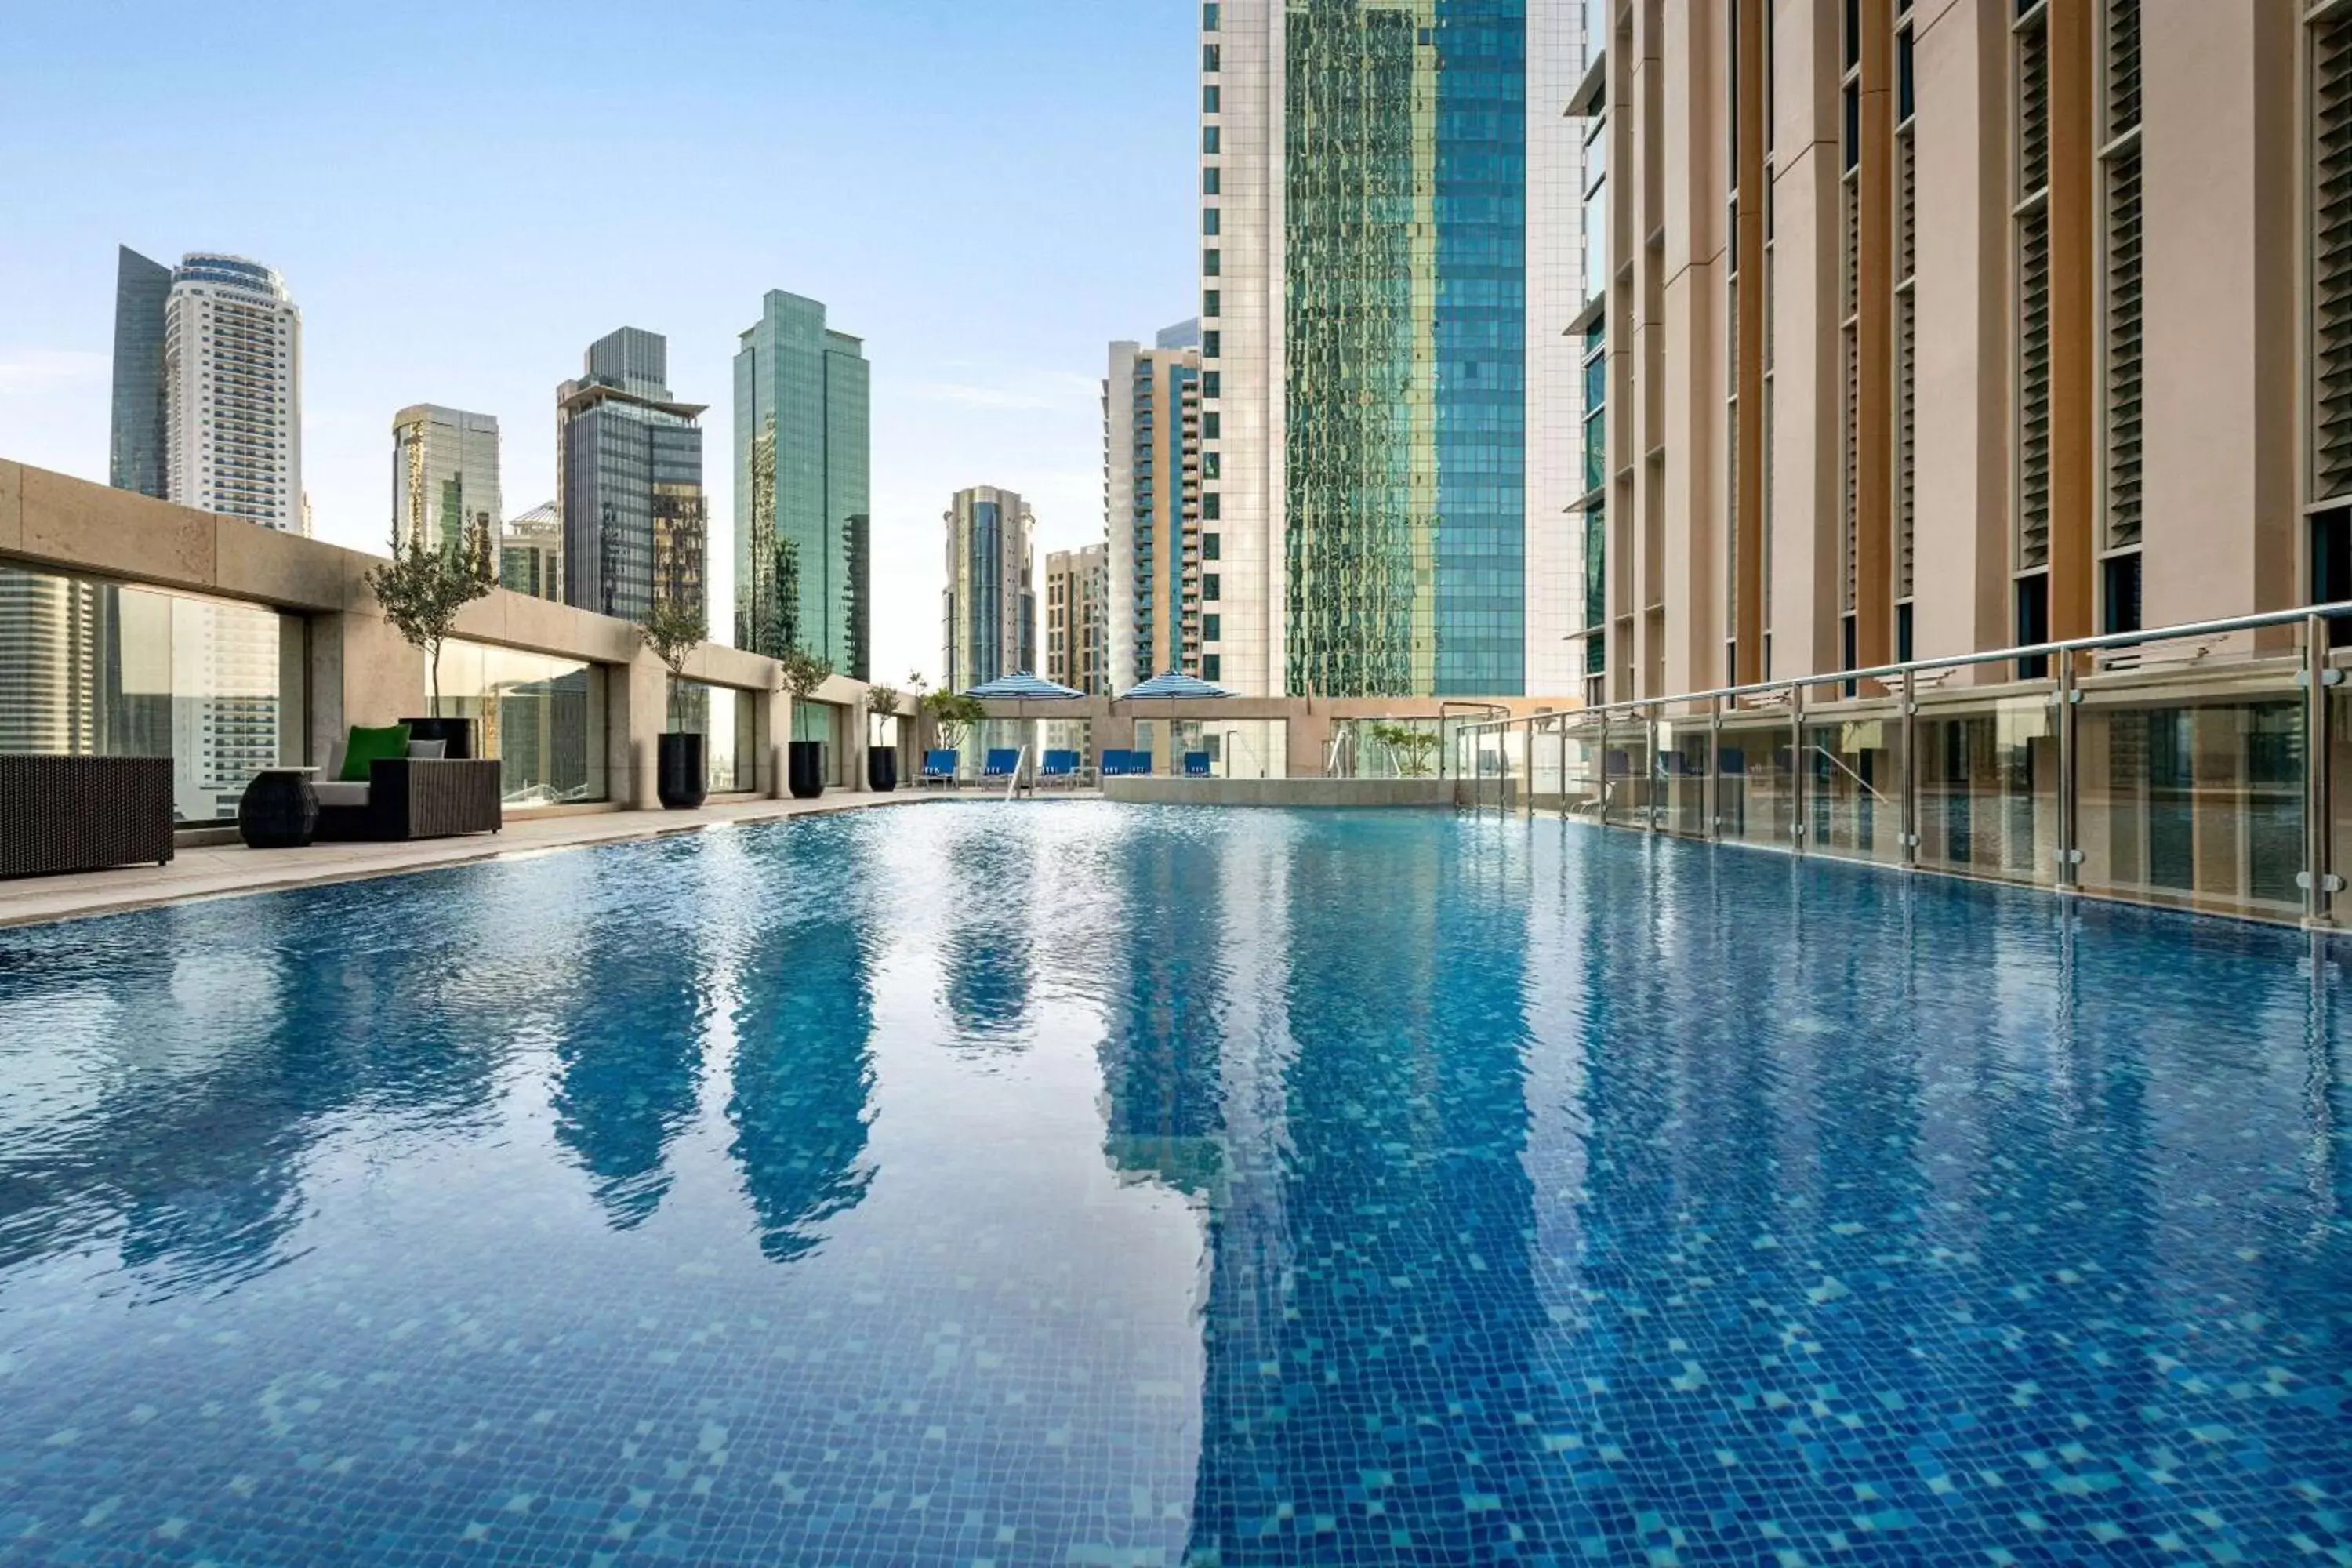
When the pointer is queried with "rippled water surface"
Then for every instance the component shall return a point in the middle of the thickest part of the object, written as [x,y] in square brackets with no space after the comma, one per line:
[1084,1184]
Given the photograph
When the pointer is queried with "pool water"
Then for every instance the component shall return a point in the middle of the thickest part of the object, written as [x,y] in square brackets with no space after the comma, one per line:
[1079,1183]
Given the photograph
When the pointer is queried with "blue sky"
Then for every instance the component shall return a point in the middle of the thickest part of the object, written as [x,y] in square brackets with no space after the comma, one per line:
[461,196]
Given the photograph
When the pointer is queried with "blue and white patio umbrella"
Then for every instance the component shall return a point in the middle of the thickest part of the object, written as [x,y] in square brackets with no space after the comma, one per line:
[1172,685]
[1022,687]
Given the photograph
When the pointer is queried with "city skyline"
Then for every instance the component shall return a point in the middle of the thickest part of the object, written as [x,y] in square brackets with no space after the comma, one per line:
[987,363]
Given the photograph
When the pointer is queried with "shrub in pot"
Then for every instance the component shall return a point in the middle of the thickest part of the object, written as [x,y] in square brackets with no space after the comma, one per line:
[803,673]
[421,591]
[881,762]
[673,631]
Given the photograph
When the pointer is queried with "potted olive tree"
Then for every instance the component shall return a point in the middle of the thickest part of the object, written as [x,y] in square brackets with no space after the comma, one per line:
[881,762]
[803,673]
[673,631]
[422,589]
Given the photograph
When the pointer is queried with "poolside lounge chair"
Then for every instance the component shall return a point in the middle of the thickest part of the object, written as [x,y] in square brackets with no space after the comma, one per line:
[1138,765]
[938,768]
[1114,763]
[1196,765]
[1000,763]
[423,794]
[1058,766]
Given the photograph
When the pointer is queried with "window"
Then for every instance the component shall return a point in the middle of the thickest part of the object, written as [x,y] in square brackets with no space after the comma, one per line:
[1211,264]
[1209,16]
[1212,628]
[1212,384]
[1212,667]
[2119,593]
[1210,343]
[1213,181]
[1209,546]
[1209,97]
[1208,56]
[1211,465]
[1212,510]
[1212,426]
[1208,220]
[1209,584]
[1209,301]
[1210,140]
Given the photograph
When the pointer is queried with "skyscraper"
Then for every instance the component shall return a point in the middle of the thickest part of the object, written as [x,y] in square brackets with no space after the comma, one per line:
[1151,510]
[803,481]
[989,610]
[142,293]
[444,474]
[208,387]
[629,462]
[1077,596]
[1387,222]
[531,553]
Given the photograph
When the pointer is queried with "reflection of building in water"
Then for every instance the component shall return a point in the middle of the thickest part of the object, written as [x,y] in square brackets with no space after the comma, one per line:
[989,954]
[1371,1292]
[1159,1055]
[804,1071]
[629,1081]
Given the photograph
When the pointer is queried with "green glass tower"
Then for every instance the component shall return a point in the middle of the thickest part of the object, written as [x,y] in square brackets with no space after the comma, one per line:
[803,478]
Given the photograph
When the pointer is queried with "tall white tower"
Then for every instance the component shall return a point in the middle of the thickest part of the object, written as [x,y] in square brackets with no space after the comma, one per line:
[233,391]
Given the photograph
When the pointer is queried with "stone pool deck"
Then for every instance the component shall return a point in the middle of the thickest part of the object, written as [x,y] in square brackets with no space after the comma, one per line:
[214,871]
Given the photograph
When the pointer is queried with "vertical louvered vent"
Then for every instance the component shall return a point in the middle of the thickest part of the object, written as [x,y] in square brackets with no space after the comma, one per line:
[1731,446]
[1851,417]
[2331,256]
[2122,281]
[1906,354]
[2033,293]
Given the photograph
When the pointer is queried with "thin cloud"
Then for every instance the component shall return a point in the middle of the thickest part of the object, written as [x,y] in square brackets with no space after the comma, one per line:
[25,370]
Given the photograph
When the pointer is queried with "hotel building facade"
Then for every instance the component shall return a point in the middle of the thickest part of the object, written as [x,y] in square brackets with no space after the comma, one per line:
[1939,326]
[988,612]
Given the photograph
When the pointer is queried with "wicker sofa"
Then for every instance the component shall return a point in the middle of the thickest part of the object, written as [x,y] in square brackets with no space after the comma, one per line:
[83,813]
[413,797]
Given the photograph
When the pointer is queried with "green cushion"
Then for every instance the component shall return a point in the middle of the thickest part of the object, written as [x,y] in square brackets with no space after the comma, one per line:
[366,745]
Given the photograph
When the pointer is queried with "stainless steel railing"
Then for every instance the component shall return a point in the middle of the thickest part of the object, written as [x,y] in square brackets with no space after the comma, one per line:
[2203,781]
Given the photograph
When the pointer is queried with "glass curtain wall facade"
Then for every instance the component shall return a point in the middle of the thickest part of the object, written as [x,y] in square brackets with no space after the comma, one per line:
[802,486]
[143,290]
[989,610]
[93,667]
[444,474]
[542,716]
[629,458]
[1369,160]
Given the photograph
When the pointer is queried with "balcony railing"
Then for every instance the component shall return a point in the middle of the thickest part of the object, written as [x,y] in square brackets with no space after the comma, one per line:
[2192,767]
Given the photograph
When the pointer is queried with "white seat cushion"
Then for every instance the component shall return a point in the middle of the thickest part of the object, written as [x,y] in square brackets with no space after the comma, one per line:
[335,792]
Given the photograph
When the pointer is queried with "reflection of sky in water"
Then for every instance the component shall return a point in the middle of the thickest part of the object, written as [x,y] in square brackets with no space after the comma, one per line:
[1078,1183]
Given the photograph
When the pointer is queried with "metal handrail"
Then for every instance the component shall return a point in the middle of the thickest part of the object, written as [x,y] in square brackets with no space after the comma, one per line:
[1960,660]
[1718,711]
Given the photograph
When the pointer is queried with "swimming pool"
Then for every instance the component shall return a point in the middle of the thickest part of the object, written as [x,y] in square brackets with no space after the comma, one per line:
[1101,1185]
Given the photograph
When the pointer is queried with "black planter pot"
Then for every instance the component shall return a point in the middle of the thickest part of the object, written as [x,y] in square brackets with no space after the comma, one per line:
[804,768]
[678,776]
[458,732]
[882,769]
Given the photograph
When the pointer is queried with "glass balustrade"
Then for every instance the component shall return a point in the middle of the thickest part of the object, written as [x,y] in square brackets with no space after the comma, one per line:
[2172,768]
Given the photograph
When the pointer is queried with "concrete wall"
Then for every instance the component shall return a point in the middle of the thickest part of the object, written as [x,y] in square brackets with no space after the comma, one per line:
[360,670]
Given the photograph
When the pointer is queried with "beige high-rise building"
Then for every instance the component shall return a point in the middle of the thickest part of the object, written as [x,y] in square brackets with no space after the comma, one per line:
[1933,326]
[1078,606]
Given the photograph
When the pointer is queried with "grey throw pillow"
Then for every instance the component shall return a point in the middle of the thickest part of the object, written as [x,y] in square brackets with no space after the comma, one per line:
[427,751]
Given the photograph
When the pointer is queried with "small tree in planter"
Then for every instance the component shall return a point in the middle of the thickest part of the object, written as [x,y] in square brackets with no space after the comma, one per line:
[673,630]
[881,762]
[803,673]
[953,716]
[1413,747]
[422,590]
